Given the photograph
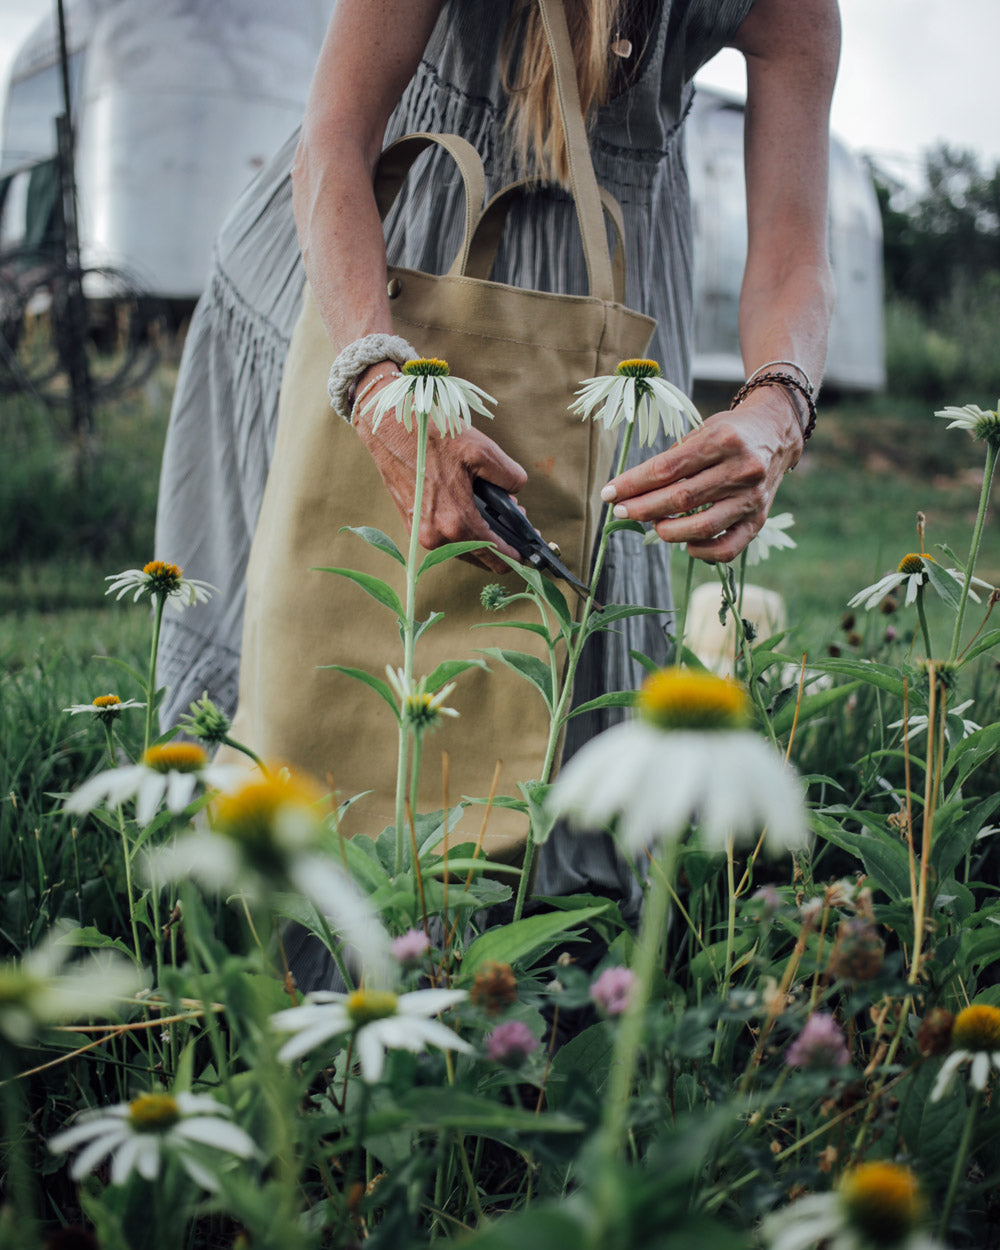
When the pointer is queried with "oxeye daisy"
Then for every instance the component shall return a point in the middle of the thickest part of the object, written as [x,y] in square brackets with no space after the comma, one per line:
[419,707]
[426,386]
[169,773]
[913,573]
[160,580]
[636,394]
[375,1020]
[772,536]
[689,759]
[42,988]
[107,707]
[975,1039]
[140,1134]
[265,835]
[876,1205]
[981,423]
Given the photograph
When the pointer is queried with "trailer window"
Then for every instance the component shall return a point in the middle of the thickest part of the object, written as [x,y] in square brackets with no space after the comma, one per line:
[33,103]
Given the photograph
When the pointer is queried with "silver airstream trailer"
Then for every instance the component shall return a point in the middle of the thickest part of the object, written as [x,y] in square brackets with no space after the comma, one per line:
[177,102]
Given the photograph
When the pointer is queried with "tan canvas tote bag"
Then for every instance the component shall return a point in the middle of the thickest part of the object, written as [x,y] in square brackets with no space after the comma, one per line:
[531,350]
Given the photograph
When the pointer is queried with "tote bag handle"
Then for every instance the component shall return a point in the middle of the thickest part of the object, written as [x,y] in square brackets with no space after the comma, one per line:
[394,164]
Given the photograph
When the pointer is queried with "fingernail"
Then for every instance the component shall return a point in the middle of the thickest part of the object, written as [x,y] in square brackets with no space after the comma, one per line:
[620,511]
[609,494]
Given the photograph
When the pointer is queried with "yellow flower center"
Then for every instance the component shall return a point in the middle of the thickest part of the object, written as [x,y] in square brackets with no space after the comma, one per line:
[426,366]
[913,563]
[153,1113]
[977,1028]
[680,698]
[883,1201]
[175,757]
[162,578]
[364,1006]
[250,814]
[107,701]
[638,369]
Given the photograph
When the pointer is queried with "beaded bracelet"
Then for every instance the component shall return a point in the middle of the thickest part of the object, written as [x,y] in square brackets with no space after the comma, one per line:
[790,383]
[368,387]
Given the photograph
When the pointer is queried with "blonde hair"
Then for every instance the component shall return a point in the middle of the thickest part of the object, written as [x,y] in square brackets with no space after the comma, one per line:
[533,120]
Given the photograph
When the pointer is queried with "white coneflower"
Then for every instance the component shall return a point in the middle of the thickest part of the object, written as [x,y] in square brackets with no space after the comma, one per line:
[376,1020]
[687,760]
[912,573]
[981,423]
[161,580]
[139,1134]
[636,394]
[40,989]
[417,706]
[770,537]
[876,1205]
[107,707]
[169,773]
[975,1040]
[426,386]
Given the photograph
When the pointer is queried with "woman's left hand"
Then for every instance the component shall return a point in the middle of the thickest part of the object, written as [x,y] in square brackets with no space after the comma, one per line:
[713,490]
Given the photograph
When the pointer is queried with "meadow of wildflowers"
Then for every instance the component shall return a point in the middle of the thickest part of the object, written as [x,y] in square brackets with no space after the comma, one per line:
[797,1048]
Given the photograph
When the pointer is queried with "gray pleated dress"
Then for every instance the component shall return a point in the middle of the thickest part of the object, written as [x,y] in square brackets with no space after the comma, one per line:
[225,408]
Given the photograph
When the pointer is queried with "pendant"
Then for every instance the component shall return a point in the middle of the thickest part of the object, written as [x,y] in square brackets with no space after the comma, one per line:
[622,48]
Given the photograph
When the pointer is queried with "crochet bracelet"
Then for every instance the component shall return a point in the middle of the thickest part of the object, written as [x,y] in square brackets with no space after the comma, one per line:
[787,381]
[355,359]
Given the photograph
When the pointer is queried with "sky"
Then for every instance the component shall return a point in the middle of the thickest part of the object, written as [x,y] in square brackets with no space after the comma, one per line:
[913,73]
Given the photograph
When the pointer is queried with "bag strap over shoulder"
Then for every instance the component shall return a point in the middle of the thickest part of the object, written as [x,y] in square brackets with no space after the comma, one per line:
[489,229]
[395,162]
[583,183]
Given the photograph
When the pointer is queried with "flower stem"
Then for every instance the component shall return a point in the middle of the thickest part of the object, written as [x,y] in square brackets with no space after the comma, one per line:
[558,715]
[409,640]
[129,891]
[154,648]
[682,626]
[959,1168]
[922,617]
[743,648]
[977,538]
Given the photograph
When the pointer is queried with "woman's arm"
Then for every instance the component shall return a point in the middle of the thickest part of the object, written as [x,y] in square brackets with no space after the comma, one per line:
[371,51]
[736,461]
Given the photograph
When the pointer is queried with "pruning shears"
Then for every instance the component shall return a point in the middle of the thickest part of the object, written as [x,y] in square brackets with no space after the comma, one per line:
[505,518]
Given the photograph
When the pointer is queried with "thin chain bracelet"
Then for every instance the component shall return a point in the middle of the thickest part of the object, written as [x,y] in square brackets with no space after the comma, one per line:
[789,383]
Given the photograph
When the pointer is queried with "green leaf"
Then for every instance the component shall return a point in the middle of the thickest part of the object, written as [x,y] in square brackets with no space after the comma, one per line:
[542,820]
[529,667]
[557,601]
[379,590]
[449,552]
[533,627]
[645,662]
[634,527]
[881,675]
[884,857]
[945,585]
[450,669]
[442,1107]
[376,538]
[420,626]
[376,683]
[931,1130]
[971,752]
[613,698]
[509,943]
[986,643]
[612,612]
[811,705]
[136,676]
[92,939]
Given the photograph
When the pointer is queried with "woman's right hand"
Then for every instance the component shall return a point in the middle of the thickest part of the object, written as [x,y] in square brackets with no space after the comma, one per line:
[448,513]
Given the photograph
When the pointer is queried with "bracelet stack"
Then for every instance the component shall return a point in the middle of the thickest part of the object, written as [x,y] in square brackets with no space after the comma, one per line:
[802,386]
[355,359]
